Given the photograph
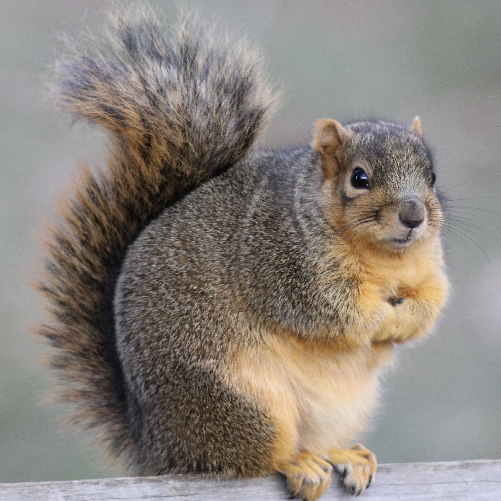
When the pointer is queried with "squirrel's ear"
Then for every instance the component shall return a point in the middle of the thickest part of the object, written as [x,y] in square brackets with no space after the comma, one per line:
[328,137]
[417,128]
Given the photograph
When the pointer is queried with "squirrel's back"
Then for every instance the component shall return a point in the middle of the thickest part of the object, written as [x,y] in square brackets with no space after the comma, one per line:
[180,108]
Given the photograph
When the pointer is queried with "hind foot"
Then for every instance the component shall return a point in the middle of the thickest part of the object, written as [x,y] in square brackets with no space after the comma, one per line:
[357,467]
[308,476]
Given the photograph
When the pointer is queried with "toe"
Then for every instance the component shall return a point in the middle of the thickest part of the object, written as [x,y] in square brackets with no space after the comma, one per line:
[308,476]
[356,466]
[323,470]
[295,477]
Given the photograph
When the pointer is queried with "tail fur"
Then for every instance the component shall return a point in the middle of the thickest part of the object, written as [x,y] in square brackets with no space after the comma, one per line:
[180,109]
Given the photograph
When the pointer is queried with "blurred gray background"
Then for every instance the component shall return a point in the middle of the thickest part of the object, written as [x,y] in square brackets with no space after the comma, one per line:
[345,60]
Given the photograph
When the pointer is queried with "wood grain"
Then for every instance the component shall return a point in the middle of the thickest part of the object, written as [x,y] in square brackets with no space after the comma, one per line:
[464,480]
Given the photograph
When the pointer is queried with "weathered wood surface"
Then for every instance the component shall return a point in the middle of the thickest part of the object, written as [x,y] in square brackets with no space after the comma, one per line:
[465,480]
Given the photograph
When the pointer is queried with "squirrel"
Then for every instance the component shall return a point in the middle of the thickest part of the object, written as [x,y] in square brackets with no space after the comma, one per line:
[224,311]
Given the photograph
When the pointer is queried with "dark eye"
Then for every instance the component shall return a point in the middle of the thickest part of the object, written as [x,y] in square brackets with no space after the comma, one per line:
[359,179]
[433,178]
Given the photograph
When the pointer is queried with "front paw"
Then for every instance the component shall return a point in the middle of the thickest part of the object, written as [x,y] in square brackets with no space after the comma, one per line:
[387,329]
[411,319]
[394,301]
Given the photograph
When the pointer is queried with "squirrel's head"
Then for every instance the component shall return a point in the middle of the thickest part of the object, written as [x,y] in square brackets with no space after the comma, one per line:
[379,180]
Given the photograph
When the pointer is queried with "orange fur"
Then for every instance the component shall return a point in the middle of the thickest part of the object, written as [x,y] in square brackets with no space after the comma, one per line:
[318,396]
[319,393]
[416,275]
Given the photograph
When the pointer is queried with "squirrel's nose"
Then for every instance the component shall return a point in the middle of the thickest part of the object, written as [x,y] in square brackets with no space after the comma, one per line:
[411,213]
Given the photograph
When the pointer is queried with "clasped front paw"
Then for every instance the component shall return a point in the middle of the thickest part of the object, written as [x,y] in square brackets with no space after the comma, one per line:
[394,301]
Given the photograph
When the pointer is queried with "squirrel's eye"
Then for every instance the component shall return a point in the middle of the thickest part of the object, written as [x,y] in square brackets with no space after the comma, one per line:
[433,178]
[359,179]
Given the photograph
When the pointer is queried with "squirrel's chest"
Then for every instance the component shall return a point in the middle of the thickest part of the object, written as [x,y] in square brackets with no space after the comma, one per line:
[402,272]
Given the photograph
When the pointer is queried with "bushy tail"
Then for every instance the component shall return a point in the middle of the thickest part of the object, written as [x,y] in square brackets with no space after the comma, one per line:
[180,109]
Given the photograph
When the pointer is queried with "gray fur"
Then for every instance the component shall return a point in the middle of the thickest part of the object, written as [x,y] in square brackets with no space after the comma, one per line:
[189,246]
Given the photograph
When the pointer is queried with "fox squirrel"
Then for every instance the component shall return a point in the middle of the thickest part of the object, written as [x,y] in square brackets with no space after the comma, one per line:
[222,311]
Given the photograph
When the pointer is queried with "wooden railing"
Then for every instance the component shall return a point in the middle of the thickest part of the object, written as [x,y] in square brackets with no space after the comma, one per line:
[463,480]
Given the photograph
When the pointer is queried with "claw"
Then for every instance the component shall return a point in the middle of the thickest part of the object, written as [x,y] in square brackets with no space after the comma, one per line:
[308,476]
[356,467]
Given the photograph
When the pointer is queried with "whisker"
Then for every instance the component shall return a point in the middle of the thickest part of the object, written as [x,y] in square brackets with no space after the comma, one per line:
[458,233]
[353,224]
[447,153]
[475,216]
[443,192]
[474,198]
[458,237]
[489,211]
[475,229]
[361,221]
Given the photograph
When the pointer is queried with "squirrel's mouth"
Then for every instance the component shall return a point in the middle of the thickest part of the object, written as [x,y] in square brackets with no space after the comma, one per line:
[404,241]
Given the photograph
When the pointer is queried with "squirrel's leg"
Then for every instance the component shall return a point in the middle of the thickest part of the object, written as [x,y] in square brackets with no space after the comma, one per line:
[357,467]
[261,376]
[308,476]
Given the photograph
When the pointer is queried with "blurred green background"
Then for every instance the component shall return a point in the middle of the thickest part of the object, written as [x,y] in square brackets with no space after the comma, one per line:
[345,60]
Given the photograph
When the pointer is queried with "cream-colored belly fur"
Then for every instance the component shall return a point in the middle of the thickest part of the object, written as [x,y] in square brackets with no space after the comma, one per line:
[318,396]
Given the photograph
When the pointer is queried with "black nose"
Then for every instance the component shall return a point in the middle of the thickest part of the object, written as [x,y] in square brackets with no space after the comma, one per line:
[411,213]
